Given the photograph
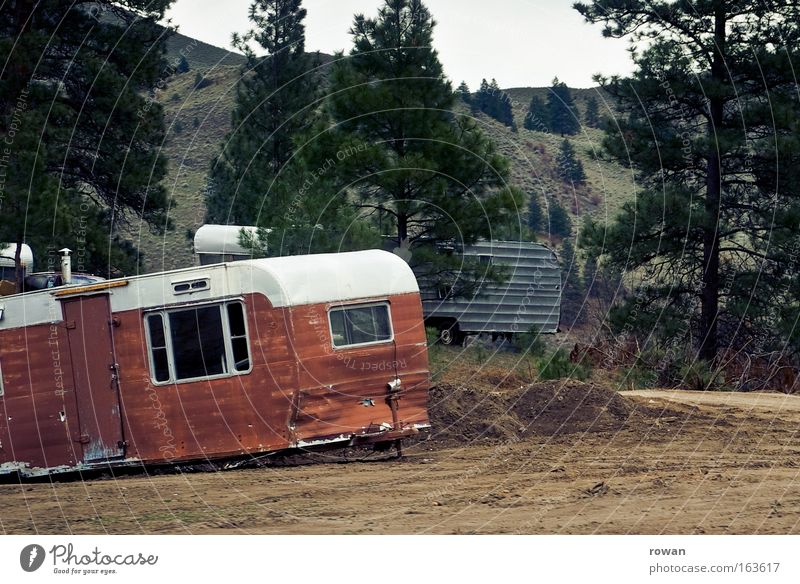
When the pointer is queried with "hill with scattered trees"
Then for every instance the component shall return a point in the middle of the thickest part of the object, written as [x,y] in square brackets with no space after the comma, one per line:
[198,118]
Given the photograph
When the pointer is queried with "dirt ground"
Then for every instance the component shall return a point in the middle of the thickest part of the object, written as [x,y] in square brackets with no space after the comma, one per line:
[547,458]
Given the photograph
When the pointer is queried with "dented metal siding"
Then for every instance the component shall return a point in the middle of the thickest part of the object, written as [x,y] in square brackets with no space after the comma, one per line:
[532,295]
[299,393]
[94,379]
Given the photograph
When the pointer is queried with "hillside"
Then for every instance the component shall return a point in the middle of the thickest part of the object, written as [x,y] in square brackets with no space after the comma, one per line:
[199,118]
[201,55]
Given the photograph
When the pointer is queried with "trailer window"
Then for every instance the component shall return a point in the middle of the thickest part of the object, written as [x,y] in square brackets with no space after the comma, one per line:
[199,342]
[360,325]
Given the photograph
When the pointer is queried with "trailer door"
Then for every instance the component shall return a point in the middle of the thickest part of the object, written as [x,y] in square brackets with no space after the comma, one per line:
[91,348]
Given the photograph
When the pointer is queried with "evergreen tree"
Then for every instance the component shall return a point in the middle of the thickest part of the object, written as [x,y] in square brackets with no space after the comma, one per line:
[560,223]
[536,118]
[480,102]
[590,276]
[561,112]
[183,65]
[573,294]
[82,131]
[402,154]
[710,125]
[535,218]
[464,93]
[592,115]
[495,103]
[570,169]
[250,180]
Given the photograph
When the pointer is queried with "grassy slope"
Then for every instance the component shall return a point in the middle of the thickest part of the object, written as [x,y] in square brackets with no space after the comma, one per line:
[533,154]
[198,120]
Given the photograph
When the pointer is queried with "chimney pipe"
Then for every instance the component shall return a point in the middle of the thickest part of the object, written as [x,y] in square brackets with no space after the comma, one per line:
[66,265]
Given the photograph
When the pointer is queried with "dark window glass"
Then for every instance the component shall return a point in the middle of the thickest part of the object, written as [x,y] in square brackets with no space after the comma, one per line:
[236,319]
[158,347]
[160,365]
[241,356]
[359,325]
[156,326]
[198,342]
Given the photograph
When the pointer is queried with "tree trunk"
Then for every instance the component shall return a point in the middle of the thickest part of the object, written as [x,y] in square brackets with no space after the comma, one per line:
[18,273]
[402,229]
[709,309]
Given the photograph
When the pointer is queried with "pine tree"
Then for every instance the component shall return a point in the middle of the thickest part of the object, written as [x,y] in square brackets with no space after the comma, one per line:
[251,179]
[535,218]
[592,115]
[536,118]
[570,168]
[83,133]
[574,294]
[495,103]
[480,102]
[404,156]
[561,112]
[713,138]
[464,93]
[183,65]
[560,223]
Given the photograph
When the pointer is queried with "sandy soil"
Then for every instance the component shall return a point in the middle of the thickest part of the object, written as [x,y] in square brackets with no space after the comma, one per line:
[653,462]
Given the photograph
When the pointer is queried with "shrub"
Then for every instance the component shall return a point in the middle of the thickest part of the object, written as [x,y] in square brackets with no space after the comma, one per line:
[558,366]
[432,334]
[640,377]
[699,375]
[530,342]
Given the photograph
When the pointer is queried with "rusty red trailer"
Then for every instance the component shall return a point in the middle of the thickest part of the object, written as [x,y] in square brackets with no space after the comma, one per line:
[212,362]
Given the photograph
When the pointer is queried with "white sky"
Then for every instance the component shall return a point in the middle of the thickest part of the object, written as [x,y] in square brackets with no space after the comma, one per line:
[518,42]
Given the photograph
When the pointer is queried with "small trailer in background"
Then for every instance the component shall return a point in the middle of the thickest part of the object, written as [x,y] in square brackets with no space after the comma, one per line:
[8,274]
[227,360]
[214,244]
[531,295]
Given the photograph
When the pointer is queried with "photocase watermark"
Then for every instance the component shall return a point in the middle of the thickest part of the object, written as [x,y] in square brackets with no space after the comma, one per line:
[14,126]
[168,449]
[66,560]
[317,174]
[80,254]
[31,557]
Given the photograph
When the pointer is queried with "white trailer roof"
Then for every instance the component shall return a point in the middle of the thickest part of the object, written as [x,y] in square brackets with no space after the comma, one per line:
[335,277]
[286,281]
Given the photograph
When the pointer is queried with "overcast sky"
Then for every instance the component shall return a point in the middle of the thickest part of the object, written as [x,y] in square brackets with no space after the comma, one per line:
[518,42]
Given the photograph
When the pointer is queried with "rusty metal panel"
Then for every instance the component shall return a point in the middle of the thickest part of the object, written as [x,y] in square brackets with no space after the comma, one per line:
[209,418]
[300,390]
[346,390]
[94,373]
[38,406]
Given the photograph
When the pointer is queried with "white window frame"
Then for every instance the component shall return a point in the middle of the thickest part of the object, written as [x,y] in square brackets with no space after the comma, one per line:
[2,387]
[227,334]
[361,305]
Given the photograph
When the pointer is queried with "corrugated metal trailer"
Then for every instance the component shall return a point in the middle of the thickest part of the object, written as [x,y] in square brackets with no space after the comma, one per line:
[531,296]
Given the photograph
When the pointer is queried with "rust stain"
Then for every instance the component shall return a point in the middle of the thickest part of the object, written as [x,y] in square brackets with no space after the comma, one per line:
[300,390]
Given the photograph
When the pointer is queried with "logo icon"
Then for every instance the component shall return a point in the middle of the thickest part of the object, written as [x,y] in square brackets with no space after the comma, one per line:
[31,557]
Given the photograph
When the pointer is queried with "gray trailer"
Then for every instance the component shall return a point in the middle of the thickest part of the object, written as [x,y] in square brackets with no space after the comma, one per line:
[530,295]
